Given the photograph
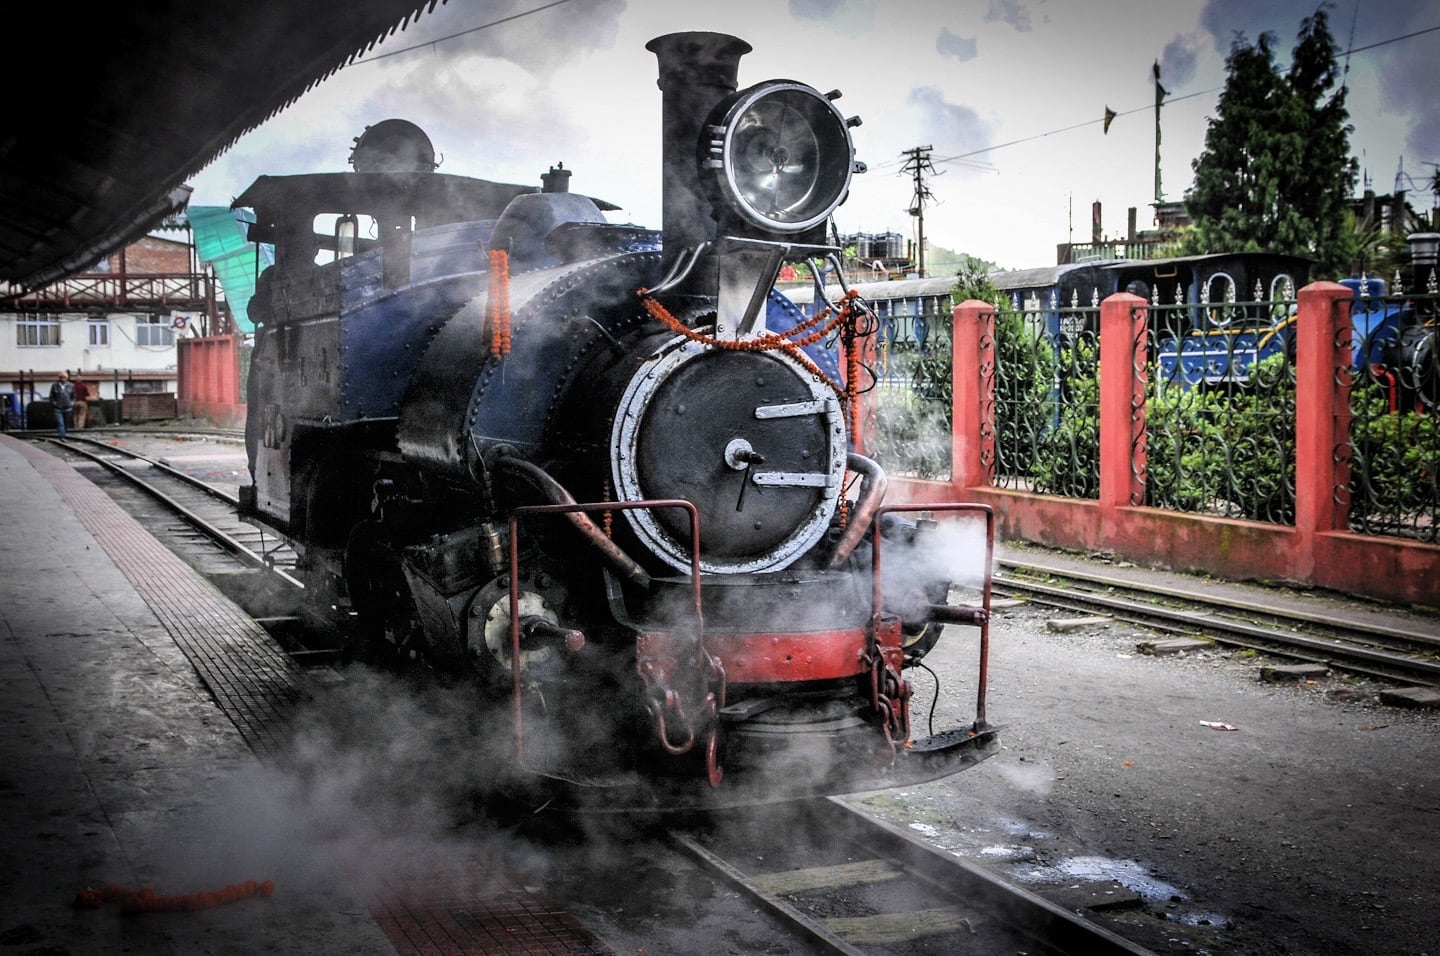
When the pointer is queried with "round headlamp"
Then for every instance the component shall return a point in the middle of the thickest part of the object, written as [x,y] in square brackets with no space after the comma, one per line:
[779,155]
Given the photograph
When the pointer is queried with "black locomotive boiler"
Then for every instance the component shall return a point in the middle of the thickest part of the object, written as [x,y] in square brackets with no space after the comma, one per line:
[604,472]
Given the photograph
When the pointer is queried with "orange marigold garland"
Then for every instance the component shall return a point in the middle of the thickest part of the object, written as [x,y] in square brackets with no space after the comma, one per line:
[145,901]
[852,376]
[498,312]
[607,519]
[791,343]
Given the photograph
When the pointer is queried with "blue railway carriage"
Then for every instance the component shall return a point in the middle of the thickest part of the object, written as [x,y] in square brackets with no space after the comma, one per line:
[910,316]
[1212,317]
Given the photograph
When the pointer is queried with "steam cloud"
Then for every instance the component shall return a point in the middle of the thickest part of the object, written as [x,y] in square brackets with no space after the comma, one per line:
[374,787]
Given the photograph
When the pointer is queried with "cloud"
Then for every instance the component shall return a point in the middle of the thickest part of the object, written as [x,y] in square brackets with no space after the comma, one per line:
[1178,61]
[1408,85]
[953,126]
[955,46]
[1230,20]
[846,17]
[1011,12]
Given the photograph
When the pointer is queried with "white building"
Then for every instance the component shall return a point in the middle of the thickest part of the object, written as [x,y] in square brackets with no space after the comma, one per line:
[114,328]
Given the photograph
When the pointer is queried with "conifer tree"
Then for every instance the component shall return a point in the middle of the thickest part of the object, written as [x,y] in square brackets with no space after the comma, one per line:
[1276,173]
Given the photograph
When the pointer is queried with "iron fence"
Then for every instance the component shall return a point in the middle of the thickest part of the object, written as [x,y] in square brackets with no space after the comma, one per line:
[1047,411]
[1219,408]
[909,416]
[1393,448]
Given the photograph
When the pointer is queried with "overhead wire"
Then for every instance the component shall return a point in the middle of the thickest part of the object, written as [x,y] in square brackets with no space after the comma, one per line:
[961,157]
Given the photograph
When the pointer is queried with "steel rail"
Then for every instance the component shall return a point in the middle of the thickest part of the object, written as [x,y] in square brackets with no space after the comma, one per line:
[808,927]
[191,517]
[1347,651]
[70,441]
[876,854]
[1389,631]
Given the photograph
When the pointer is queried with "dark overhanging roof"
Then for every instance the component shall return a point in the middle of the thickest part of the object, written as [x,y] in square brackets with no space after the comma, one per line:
[113,107]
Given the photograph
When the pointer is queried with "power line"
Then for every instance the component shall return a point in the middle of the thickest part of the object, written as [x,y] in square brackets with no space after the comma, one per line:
[1174,99]
[1406,36]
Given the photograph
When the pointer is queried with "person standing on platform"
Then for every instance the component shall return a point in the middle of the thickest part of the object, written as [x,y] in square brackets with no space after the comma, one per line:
[62,399]
[82,408]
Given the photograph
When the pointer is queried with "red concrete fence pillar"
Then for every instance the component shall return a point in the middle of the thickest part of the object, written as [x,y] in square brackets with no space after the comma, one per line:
[1322,409]
[1123,319]
[972,395]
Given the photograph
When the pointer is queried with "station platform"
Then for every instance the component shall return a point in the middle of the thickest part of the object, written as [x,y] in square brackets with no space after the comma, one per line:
[119,771]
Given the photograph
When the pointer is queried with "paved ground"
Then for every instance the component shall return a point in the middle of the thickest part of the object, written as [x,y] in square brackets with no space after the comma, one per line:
[1309,826]
[116,768]
[1247,818]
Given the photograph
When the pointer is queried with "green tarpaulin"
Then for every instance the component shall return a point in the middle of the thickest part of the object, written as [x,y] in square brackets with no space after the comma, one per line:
[220,243]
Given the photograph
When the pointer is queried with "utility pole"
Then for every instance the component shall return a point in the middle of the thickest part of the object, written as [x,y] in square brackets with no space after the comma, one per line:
[917,163]
[1160,94]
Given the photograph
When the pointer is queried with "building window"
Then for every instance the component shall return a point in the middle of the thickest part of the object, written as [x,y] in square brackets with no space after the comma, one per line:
[36,331]
[154,331]
[99,333]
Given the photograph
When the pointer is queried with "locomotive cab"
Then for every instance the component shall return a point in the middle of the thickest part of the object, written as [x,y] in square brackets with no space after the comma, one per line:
[607,472]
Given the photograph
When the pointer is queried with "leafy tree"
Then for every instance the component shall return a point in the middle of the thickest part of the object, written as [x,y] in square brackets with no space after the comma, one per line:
[930,371]
[1276,173]
[972,280]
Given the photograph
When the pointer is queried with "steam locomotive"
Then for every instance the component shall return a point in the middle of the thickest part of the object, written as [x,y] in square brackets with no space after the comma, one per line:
[606,473]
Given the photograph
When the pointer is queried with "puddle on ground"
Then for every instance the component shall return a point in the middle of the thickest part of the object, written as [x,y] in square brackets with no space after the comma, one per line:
[1134,876]
[1016,853]
[1094,869]
[1011,852]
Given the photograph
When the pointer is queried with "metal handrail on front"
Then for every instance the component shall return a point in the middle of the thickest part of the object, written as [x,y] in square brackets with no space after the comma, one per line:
[978,617]
[587,508]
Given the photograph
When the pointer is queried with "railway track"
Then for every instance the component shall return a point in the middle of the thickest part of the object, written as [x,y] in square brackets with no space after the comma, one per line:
[835,880]
[210,511]
[853,885]
[1395,647]
[197,520]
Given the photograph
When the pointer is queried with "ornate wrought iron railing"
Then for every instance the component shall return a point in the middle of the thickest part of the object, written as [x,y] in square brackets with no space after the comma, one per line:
[1393,449]
[1047,415]
[1220,409]
[908,422]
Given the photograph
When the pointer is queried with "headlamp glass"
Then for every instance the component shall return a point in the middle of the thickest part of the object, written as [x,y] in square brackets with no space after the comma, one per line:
[785,156]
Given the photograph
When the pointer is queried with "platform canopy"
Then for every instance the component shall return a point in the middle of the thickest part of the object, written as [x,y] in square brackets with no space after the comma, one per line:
[112,107]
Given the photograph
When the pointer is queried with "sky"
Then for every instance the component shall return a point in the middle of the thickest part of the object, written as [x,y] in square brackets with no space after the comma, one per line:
[1009,96]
